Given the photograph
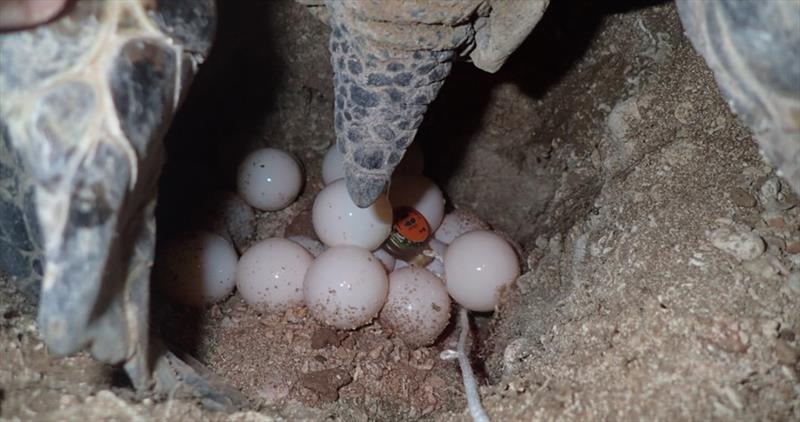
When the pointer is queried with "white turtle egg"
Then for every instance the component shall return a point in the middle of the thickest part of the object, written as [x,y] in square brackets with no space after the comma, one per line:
[387,260]
[270,274]
[420,193]
[338,220]
[345,287]
[458,222]
[332,165]
[313,246]
[417,308]
[412,163]
[477,264]
[269,179]
[197,268]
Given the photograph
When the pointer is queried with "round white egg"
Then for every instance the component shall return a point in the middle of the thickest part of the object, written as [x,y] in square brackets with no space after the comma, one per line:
[270,274]
[338,220]
[345,287]
[477,264]
[332,165]
[420,193]
[196,268]
[458,222]
[417,308]
[269,179]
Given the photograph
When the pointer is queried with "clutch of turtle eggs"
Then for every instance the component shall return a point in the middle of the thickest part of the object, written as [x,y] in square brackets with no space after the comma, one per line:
[400,259]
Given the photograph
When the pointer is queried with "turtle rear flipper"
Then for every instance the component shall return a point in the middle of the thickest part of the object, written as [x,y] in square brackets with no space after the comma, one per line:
[87,100]
[753,48]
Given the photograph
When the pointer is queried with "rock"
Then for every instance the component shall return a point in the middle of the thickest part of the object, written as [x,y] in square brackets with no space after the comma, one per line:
[742,245]
[769,191]
[775,220]
[793,246]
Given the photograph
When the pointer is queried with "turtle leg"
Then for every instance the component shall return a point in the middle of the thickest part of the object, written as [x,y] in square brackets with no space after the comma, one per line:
[86,102]
[391,58]
[385,76]
[753,48]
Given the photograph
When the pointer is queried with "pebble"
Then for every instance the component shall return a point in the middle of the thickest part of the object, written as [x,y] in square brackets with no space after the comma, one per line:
[769,190]
[744,246]
[786,354]
[794,281]
[793,247]
[775,220]
[742,198]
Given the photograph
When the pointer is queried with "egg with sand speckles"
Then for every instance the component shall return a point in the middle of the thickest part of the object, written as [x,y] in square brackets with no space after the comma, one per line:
[270,274]
[337,220]
[345,287]
[477,265]
[196,268]
[269,179]
[458,222]
[417,308]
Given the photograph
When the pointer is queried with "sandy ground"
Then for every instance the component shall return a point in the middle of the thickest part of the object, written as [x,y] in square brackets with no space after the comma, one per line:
[662,253]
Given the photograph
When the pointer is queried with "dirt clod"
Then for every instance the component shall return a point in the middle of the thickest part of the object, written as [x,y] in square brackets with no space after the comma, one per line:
[324,337]
[326,382]
[742,198]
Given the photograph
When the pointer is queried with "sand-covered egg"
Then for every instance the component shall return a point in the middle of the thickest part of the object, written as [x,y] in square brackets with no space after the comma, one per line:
[420,193]
[196,268]
[458,222]
[337,220]
[417,308]
[269,179]
[270,274]
[477,264]
[345,287]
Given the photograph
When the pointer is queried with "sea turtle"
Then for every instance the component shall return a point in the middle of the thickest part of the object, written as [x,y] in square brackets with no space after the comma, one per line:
[86,100]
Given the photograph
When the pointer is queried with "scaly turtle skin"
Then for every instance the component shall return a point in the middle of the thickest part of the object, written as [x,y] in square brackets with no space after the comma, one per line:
[753,48]
[390,58]
[86,102]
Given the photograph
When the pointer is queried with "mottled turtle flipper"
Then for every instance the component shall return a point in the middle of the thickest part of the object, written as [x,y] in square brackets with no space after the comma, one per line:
[753,48]
[86,102]
[391,57]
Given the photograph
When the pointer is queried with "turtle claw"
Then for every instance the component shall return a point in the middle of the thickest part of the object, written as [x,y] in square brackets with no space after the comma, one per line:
[186,377]
[364,188]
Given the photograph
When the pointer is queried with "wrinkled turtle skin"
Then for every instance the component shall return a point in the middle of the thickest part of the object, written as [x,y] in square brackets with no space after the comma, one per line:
[391,57]
[86,102]
[82,121]
[753,48]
